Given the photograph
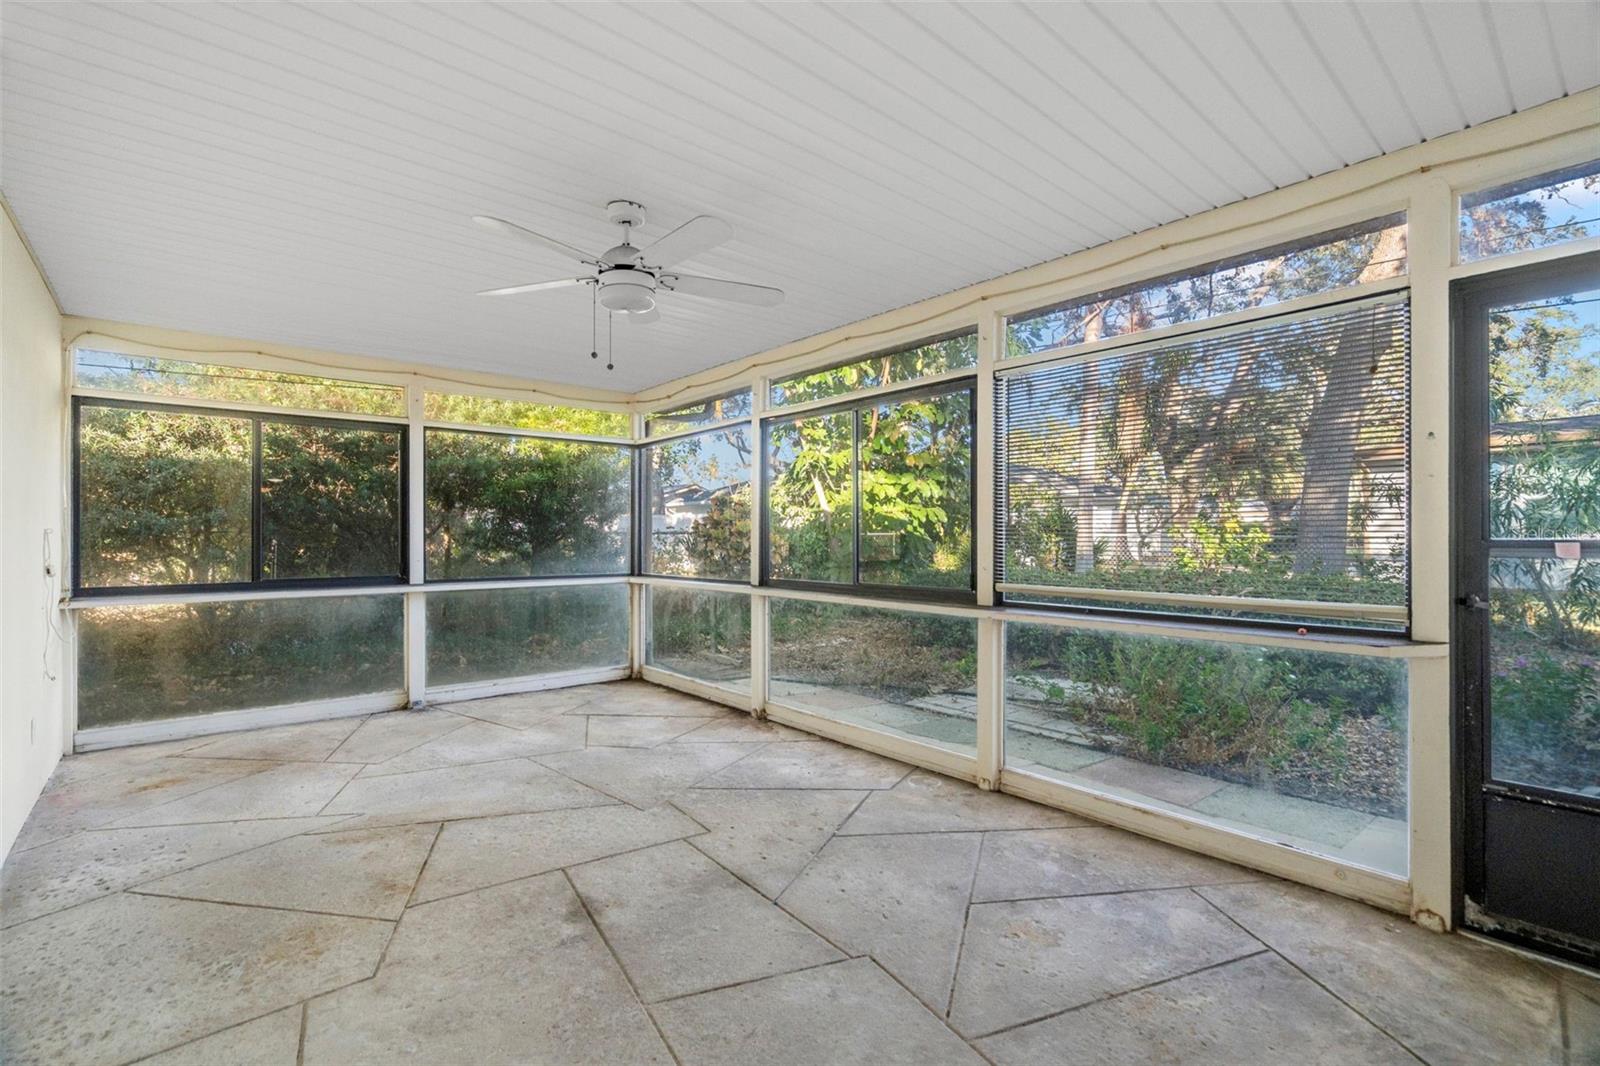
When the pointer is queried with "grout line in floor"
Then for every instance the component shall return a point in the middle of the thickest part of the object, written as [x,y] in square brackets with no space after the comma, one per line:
[300,1048]
[572,886]
[1303,972]
[966,920]
[1107,998]
[255,906]
[866,794]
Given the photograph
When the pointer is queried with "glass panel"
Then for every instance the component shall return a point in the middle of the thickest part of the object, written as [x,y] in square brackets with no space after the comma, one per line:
[699,493]
[1268,462]
[492,634]
[1370,252]
[164,498]
[916,492]
[810,499]
[905,364]
[1544,415]
[330,501]
[908,673]
[1307,748]
[1544,672]
[504,506]
[523,414]
[701,634]
[699,413]
[1534,213]
[150,376]
[139,663]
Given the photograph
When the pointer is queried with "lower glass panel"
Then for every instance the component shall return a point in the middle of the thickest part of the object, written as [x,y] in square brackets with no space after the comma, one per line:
[1307,748]
[491,634]
[140,663]
[1544,672]
[701,634]
[909,673]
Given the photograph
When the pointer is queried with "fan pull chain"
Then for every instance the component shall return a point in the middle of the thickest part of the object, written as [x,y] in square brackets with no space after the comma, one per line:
[610,363]
[594,320]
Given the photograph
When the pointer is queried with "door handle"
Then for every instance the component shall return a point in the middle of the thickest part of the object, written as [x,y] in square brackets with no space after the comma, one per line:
[1473,602]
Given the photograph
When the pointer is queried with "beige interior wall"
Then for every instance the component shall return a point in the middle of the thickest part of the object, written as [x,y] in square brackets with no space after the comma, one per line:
[32,670]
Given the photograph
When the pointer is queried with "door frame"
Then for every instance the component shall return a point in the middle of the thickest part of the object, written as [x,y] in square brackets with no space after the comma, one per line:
[1469,449]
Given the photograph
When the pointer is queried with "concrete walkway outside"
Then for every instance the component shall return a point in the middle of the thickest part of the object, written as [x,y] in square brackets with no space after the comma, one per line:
[621,874]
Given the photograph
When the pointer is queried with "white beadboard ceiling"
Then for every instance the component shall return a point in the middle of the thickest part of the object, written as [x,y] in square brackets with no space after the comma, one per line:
[303,173]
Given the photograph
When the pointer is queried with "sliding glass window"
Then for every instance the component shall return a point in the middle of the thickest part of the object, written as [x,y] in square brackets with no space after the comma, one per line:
[190,498]
[1257,473]
[874,495]
[501,505]
[697,491]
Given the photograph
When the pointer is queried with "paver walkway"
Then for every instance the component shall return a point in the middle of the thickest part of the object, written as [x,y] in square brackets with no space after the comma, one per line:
[620,873]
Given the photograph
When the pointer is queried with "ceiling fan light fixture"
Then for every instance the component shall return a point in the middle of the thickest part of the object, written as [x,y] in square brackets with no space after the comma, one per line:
[627,295]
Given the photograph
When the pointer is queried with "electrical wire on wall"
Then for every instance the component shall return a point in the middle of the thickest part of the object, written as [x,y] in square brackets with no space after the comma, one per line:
[52,595]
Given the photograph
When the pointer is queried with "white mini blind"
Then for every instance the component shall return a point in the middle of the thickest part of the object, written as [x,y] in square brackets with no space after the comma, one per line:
[1261,463]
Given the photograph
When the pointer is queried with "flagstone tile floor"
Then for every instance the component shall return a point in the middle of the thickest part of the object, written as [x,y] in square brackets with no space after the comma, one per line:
[620,873]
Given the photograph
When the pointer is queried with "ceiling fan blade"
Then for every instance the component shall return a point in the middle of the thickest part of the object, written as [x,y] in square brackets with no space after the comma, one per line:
[500,225]
[559,283]
[641,317]
[699,234]
[717,289]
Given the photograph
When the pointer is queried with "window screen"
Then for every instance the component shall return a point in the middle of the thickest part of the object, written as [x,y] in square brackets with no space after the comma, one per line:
[700,413]
[1371,251]
[921,360]
[877,495]
[1532,213]
[1268,462]
[500,505]
[153,376]
[523,414]
[174,498]
[697,489]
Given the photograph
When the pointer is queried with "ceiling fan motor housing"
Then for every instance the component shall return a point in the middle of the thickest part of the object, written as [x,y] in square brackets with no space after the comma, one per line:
[624,288]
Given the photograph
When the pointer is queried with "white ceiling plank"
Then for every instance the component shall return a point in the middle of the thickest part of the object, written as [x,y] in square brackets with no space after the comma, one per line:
[304,173]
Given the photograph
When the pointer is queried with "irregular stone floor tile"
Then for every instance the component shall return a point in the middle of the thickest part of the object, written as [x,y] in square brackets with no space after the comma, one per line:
[640,697]
[481,852]
[680,923]
[1022,961]
[384,736]
[92,802]
[76,768]
[291,790]
[1077,862]
[96,863]
[1156,782]
[844,1013]
[638,731]
[813,764]
[273,1040]
[130,975]
[479,742]
[365,873]
[766,836]
[1582,1012]
[1447,998]
[509,787]
[900,899]
[645,777]
[509,974]
[929,803]
[742,727]
[309,742]
[524,708]
[1257,1011]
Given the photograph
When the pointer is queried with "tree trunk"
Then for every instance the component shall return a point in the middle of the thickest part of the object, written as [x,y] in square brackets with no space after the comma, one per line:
[1330,442]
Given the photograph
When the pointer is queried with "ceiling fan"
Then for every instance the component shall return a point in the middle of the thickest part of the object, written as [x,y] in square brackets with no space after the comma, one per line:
[629,279]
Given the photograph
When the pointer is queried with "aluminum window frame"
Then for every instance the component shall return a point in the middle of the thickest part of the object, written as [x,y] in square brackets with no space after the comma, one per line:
[256,583]
[855,405]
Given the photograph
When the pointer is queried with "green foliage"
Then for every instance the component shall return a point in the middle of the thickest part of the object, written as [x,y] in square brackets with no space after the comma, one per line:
[890,368]
[523,414]
[208,381]
[700,634]
[499,505]
[145,663]
[330,502]
[499,633]
[1210,545]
